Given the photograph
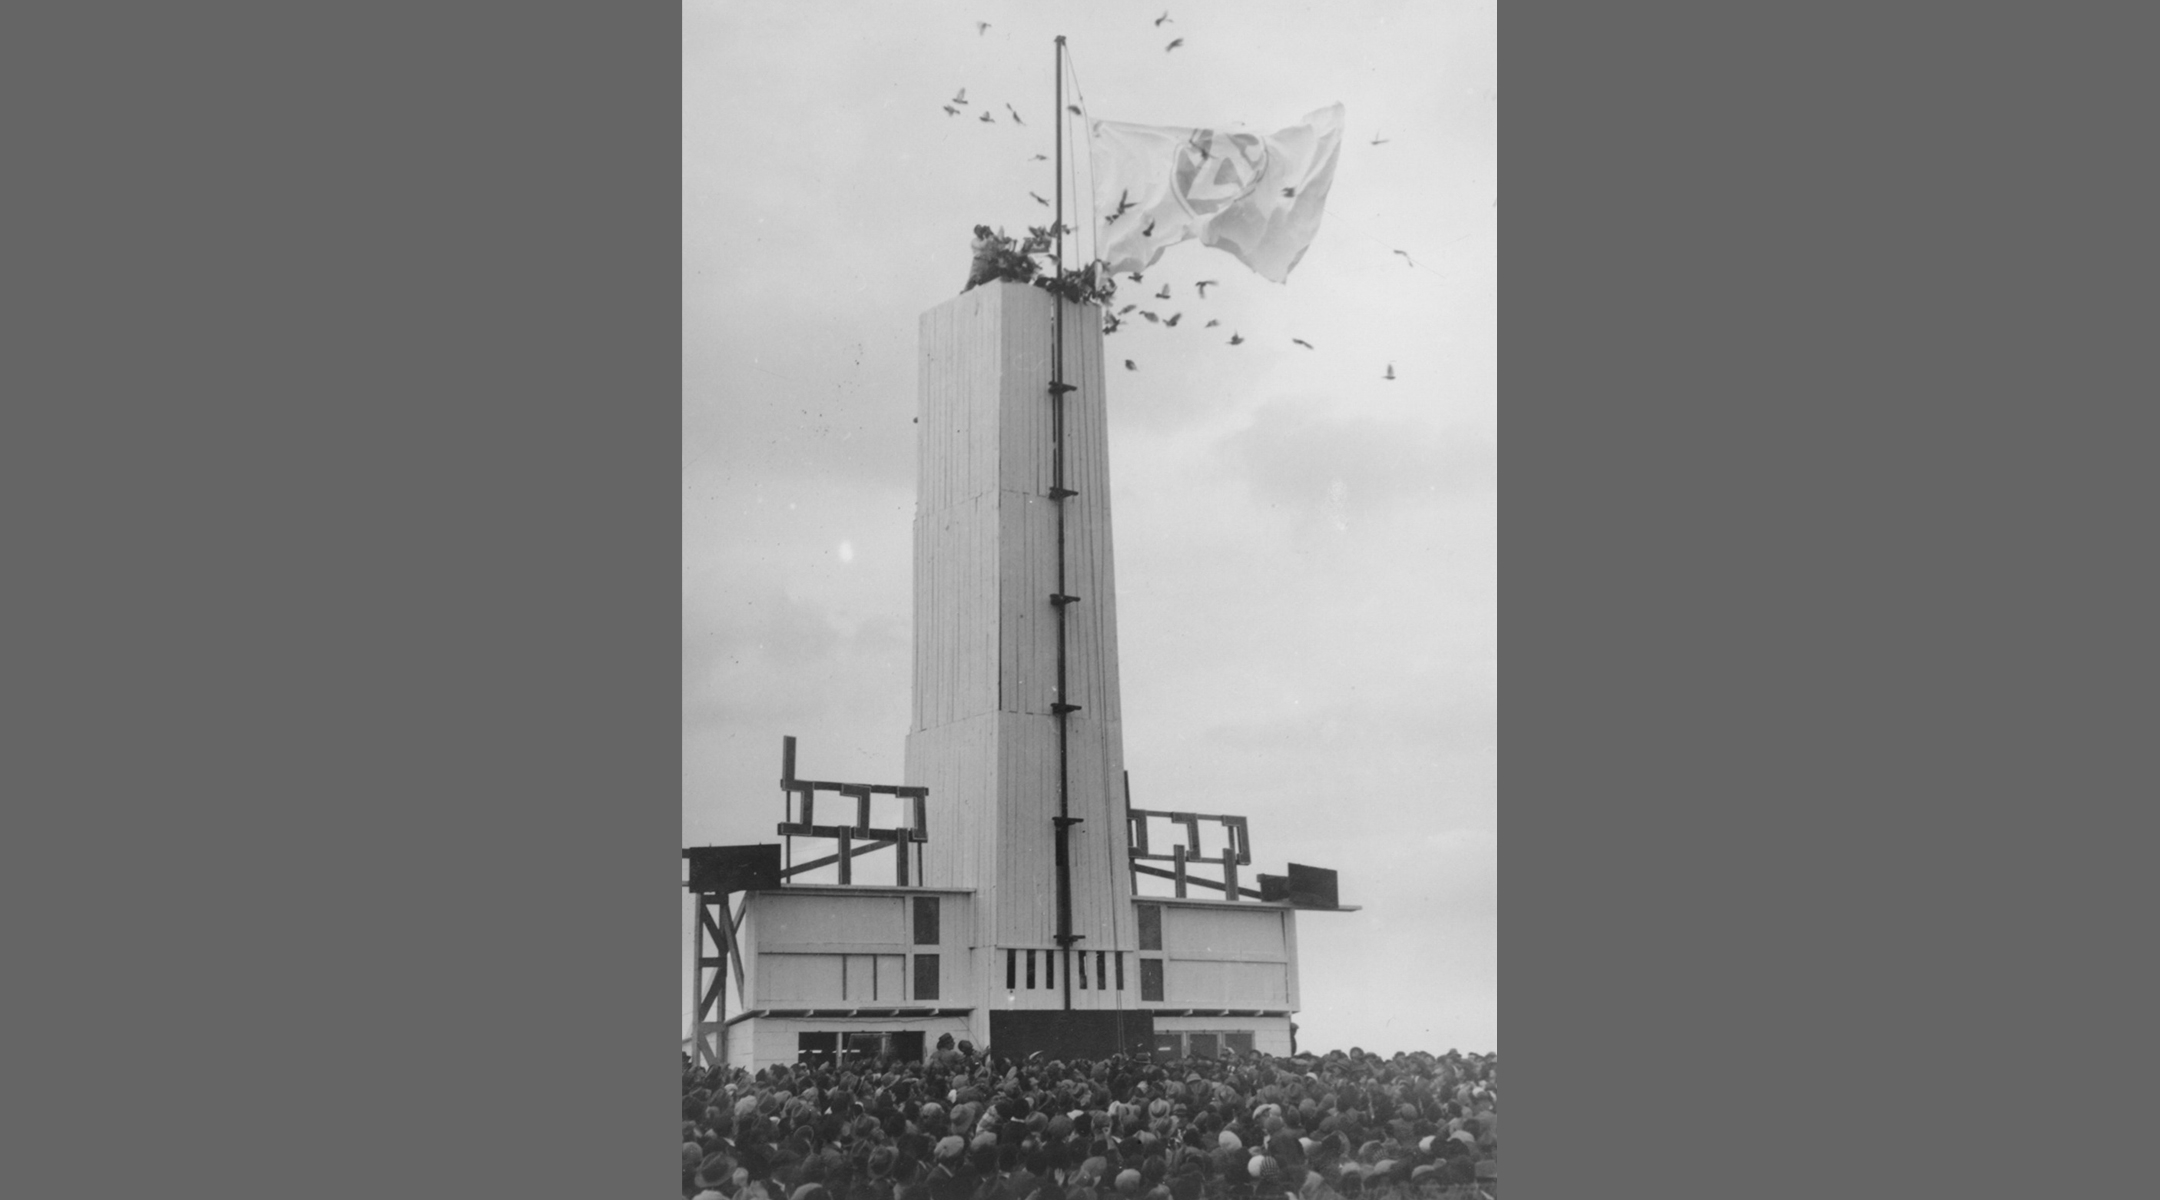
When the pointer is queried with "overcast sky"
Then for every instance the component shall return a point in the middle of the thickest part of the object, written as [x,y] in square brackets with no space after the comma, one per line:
[1306,553]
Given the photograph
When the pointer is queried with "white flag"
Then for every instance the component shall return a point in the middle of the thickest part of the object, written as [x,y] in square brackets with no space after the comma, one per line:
[1257,196]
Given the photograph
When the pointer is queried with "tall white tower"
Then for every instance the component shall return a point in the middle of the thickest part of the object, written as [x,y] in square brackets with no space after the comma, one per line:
[991,736]
[1022,928]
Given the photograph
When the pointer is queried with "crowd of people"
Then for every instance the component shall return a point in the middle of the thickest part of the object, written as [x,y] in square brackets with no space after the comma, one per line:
[970,1125]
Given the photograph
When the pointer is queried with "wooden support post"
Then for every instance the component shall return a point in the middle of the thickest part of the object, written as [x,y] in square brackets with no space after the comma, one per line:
[1177,869]
[1229,873]
[734,947]
[719,988]
[847,860]
[900,851]
[697,985]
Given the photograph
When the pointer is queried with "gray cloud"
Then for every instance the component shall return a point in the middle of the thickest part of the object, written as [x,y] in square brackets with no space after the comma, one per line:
[1308,454]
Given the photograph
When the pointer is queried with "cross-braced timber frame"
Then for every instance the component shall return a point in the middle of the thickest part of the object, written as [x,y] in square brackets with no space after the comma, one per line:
[1185,853]
[716,927]
[799,796]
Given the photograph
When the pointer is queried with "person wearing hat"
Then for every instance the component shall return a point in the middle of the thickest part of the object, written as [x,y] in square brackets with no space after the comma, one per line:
[874,1180]
[714,1172]
[951,1177]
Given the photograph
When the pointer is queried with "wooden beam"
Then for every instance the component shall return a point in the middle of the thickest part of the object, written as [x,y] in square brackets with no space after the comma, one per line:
[832,785]
[1195,880]
[797,829]
[830,859]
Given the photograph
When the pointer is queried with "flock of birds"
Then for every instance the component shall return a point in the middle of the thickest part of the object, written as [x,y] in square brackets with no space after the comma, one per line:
[1113,321]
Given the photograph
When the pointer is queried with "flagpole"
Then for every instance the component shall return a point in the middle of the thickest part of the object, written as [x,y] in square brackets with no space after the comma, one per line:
[1057,113]
[1059,494]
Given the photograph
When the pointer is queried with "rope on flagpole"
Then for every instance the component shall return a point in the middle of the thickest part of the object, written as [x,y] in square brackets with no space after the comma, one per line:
[1094,247]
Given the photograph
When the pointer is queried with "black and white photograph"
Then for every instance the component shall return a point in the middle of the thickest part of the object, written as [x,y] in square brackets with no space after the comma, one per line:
[1052,719]
[1089,575]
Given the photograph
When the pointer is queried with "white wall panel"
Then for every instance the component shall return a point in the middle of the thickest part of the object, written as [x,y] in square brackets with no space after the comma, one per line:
[1224,932]
[1187,982]
[1256,985]
[821,919]
[807,979]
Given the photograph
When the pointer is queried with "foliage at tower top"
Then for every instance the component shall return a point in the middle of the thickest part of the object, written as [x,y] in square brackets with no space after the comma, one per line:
[999,257]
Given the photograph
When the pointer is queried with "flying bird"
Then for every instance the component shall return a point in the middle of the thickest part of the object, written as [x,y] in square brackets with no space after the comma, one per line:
[1303,342]
[1204,285]
[1406,258]
[1289,192]
[960,97]
[1135,277]
[1164,294]
[1040,200]
[981,27]
[1015,114]
[1074,109]
[987,119]
[950,111]
[1040,158]
[1380,141]
[1129,366]
[1152,318]
[1212,323]
[1128,308]
[1123,203]
[1235,339]
[1174,44]
[1147,232]
[1390,372]
[1165,17]
[1170,322]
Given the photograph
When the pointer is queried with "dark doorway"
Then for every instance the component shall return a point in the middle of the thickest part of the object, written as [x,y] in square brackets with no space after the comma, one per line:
[816,1049]
[907,1045]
